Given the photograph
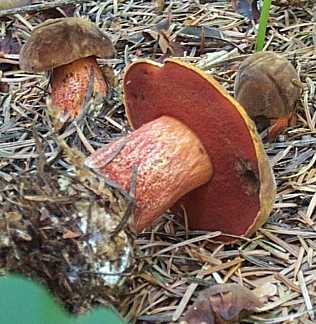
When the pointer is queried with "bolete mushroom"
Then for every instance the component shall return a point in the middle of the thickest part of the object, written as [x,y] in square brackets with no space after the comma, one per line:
[268,87]
[68,47]
[193,145]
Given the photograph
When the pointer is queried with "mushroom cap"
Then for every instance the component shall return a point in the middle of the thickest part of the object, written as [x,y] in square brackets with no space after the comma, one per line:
[266,85]
[61,41]
[239,197]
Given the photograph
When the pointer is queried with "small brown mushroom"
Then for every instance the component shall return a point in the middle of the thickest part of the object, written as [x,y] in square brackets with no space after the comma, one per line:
[193,146]
[68,47]
[267,86]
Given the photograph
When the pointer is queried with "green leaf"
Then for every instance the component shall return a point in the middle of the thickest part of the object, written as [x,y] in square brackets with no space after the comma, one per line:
[263,22]
[22,301]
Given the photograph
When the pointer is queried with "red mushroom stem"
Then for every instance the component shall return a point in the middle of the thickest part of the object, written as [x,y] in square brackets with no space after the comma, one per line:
[170,160]
[71,82]
[279,124]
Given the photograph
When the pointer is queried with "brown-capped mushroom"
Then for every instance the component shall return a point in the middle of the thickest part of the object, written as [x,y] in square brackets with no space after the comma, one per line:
[268,87]
[69,47]
[194,146]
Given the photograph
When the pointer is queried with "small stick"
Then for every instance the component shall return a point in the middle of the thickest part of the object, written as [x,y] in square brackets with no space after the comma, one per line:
[111,156]
[39,7]
[131,205]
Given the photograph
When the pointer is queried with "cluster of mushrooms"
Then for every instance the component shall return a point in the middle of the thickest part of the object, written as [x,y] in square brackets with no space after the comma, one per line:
[193,147]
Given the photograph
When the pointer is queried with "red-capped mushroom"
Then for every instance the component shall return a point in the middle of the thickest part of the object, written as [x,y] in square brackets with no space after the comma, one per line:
[193,145]
[69,47]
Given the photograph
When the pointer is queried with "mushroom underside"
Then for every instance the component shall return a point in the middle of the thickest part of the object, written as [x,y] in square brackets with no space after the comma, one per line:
[240,195]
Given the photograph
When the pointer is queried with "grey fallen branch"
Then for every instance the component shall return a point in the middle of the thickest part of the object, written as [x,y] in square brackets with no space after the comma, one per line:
[39,7]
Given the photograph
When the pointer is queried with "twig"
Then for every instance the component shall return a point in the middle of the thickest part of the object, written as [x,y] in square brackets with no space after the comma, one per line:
[39,7]
[131,205]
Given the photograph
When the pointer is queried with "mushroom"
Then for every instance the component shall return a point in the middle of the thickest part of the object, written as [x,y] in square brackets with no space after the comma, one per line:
[68,47]
[193,146]
[268,87]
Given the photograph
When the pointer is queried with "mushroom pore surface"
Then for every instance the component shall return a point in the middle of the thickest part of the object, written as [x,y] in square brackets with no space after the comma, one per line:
[170,161]
[240,195]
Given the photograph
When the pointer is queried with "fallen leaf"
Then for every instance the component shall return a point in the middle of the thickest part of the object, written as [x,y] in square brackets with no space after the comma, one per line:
[222,304]
[58,12]
[10,4]
[160,6]
[195,33]
[205,36]
[247,8]
[12,217]
[265,291]
[4,87]
[109,76]
[68,234]
[167,45]
[27,301]
[21,235]
[9,45]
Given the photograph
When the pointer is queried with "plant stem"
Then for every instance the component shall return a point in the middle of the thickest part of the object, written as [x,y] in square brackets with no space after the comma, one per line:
[263,22]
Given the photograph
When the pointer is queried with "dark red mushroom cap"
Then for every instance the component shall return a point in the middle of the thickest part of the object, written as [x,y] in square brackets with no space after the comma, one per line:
[239,197]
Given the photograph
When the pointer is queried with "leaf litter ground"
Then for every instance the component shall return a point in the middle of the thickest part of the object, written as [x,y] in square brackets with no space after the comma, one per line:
[170,264]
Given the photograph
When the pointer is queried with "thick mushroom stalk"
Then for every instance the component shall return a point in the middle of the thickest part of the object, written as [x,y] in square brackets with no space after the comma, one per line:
[170,161]
[73,83]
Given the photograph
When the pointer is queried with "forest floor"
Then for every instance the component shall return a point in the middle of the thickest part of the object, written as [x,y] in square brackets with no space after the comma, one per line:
[173,265]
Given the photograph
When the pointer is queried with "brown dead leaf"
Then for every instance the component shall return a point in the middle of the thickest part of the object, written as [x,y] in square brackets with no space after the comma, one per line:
[68,234]
[59,12]
[109,76]
[247,8]
[10,4]
[12,217]
[160,33]
[169,46]
[265,291]
[21,235]
[9,45]
[221,304]
[196,33]
[160,6]
[4,87]
[164,42]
